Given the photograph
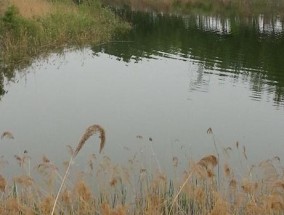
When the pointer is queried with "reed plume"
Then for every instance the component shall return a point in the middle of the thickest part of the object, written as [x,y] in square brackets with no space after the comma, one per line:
[7,134]
[269,171]
[208,161]
[24,180]
[227,170]
[90,131]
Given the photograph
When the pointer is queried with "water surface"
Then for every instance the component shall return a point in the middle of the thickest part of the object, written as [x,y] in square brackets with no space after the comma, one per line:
[169,79]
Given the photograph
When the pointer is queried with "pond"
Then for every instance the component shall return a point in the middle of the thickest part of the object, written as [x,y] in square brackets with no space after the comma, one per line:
[156,90]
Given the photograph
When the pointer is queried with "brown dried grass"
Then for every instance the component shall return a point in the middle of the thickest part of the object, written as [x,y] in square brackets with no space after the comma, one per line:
[83,191]
[46,205]
[154,193]
[3,6]
[32,8]
[3,183]
[221,206]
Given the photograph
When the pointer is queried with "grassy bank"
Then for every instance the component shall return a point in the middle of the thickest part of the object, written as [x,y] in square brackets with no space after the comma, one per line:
[31,28]
[207,186]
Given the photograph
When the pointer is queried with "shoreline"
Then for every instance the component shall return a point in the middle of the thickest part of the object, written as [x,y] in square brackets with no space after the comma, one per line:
[31,29]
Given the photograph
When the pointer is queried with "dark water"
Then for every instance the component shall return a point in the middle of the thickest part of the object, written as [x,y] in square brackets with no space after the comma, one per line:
[169,79]
[238,48]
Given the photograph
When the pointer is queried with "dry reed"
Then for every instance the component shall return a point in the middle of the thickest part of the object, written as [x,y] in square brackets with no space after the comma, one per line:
[94,129]
[137,190]
[90,131]
[3,183]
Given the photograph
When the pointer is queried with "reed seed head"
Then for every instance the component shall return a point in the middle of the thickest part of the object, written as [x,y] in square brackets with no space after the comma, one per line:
[94,129]
[249,187]
[83,191]
[24,180]
[208,161]
[227,170]
[8,135]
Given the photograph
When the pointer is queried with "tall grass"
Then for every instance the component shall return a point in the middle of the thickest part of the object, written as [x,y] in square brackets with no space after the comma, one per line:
[109,188]
[30,28]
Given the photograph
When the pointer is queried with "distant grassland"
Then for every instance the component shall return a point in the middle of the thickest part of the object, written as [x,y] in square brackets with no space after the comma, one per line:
[30,28]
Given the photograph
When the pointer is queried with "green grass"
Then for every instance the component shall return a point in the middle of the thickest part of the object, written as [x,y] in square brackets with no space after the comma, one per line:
[67,25]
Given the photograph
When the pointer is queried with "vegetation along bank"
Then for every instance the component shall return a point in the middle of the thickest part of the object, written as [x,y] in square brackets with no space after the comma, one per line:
[33,28]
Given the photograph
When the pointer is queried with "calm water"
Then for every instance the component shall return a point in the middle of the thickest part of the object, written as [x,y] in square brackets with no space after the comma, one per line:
[169,79]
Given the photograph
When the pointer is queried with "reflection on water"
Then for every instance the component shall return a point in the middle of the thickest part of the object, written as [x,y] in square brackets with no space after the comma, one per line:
[199,82]
[247,49]
[221,25]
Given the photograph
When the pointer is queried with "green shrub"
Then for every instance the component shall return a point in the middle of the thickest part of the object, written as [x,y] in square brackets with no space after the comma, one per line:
[10,18]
